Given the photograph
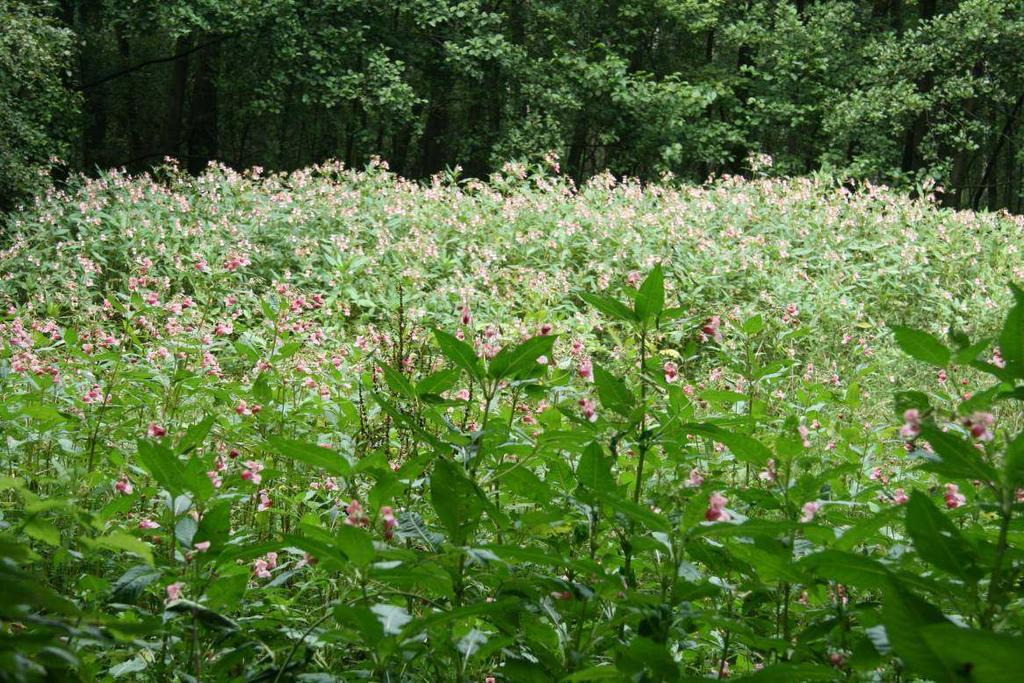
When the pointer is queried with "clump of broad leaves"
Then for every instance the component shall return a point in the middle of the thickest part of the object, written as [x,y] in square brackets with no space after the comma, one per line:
[459,506]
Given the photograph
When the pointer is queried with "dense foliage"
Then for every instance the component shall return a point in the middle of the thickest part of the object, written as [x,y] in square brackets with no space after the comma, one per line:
[333,426]
[900,91]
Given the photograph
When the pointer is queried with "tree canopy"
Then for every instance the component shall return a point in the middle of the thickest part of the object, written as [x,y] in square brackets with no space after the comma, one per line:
[897,91]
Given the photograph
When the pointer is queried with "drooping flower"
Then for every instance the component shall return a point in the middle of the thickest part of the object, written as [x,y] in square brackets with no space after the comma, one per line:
[769,473]
[809,510]
[356,515]
[671,371]
[124,486]
[174,591]
[589,409]
[390,522]
[586,369]
[252,471]
[265,502]
[716,511]
[155,431]
[148,524]
[900,497]
[712,329]
[202,546]
[954,498]
[979,425]
[695,479]
[911,424]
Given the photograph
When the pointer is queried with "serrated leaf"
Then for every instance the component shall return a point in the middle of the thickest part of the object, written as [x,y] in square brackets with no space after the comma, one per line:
[921,345]
[324,458]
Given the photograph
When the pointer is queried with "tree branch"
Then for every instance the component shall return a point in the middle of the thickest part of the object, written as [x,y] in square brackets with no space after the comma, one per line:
[150,62]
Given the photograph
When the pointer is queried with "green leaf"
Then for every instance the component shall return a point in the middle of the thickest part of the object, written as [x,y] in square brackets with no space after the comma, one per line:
[460,353]
[1015,460]
[163,466]
[905,616]
[851,569]
[356,544]
[650,298]
[130,585]
[455,500]
[195,435]
[594,469]
[1011,339]
[204,615]
[119,540]
[614,394]
[521,359]
[954,458]
[938,541]
[921,345]
[398,383]
[753,325]
[438,382]
[745,448]
[980,656]
[610,307]
[317,456]
[635,511]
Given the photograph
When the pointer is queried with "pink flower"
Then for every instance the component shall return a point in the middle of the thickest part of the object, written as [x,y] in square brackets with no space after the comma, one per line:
[711,329]
[768,474]
[202,546]
[265,502]
[954,498]
[878,475]
[94,395]
[633,279]
[589,409]
[911,424]
[545,329]
[148,524]
[261,568]
[809,511]
[695,479]
[390,522]
[252,471]
[124,487]
[215,479]
[245,409]
[356,515]
[979,424]
[586,370]
[671,371]
[174,591]
[467,317]
[716,511]
[900,497]
[223,329]
[156,431]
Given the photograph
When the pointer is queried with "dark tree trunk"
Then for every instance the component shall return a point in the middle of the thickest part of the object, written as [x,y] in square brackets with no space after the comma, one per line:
[203,139]
[135,151]
[176,94]
[435,132]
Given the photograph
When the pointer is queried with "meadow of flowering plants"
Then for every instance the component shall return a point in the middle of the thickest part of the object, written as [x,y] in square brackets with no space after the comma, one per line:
[336,426]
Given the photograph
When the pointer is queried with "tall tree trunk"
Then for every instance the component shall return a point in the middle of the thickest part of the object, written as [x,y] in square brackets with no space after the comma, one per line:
[135,151]
[435,132]
[203,139]
[176,94]
[1008,127]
